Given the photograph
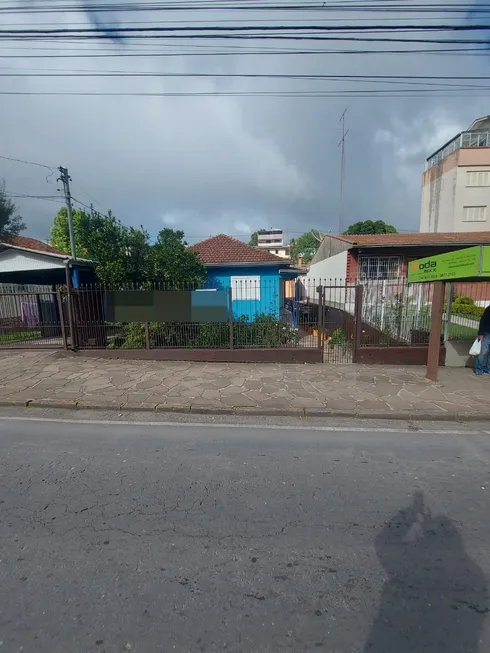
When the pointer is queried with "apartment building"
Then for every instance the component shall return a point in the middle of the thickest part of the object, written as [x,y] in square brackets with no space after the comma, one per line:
[456,183]
[273,241]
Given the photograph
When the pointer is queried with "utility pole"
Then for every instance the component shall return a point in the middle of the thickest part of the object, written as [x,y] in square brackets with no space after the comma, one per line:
[342,169]
[65,179]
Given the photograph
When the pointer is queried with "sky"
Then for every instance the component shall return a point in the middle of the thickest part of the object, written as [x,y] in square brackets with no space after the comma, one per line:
[223,163]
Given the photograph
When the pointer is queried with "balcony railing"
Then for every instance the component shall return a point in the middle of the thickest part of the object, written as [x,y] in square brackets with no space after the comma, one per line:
[465,139]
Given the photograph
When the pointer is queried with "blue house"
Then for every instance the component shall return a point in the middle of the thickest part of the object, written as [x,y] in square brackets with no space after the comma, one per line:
[254,278]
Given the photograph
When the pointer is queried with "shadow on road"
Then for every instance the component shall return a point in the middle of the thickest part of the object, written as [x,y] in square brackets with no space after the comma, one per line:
[435,598]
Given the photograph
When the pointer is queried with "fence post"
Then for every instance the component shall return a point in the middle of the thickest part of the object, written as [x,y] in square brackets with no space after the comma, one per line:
[230,319]
[435,330]
[321,308]
[449,305]
[356,345]
[147,335]
[62,318]
[70,308]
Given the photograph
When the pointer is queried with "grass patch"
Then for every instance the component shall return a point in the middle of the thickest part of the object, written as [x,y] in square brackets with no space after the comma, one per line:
[8,337]
[460,332]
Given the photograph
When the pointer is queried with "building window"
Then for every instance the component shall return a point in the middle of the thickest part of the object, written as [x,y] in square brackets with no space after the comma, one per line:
[474,213]
[245,288]
[379,267]
[478,178]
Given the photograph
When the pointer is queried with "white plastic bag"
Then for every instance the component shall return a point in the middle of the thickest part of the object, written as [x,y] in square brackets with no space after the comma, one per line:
[475,348]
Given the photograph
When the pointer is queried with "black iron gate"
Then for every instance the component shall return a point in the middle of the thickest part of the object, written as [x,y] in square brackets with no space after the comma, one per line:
[340,322]
[30,317]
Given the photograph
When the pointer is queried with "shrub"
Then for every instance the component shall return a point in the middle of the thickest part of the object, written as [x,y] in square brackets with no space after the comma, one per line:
[131,336]
[263,331]
[337,338]
[466,306]
[465,300]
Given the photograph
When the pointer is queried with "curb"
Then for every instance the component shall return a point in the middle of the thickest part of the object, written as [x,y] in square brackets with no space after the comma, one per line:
[405,415]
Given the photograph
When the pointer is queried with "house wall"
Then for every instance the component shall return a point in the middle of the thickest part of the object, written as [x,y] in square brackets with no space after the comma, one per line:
[329,247]
[346,264]
[16,261]
[277,250]
[334,267]
[479,291]
[352,266]
[258,296]
[406,254]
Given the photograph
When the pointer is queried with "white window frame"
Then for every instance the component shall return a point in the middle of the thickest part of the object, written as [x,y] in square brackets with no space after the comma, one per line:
[379,267]
[474,213]
[245,288]
[477,178]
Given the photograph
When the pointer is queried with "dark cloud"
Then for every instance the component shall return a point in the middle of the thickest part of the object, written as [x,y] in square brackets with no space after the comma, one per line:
[225,164]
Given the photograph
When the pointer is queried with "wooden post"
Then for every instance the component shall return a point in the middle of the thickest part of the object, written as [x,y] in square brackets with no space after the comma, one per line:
[62,318]
[230,319]
[435,330]
[356,345]
[147,335]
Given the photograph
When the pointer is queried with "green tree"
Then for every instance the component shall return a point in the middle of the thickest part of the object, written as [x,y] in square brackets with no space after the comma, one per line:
[370,227]
[100,238]
[254,239]
[305,246]
[60,237]
[173,263]
[11,224]
[124,255]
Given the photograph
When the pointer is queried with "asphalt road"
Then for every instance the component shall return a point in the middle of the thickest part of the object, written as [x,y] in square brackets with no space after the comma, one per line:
[154,538]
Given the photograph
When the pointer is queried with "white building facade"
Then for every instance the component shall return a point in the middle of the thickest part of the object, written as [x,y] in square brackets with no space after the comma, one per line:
[456,183]
[273,241]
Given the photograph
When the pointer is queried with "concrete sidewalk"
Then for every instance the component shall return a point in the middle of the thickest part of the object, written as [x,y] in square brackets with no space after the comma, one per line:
[53,378]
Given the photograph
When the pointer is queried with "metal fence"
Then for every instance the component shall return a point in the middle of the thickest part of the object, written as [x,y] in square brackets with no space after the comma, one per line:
[30,317]
[265,313]
[373,313]
[334,316]
[395,314]
[463,307]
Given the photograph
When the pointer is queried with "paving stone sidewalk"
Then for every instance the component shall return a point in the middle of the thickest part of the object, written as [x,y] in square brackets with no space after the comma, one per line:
[54,378]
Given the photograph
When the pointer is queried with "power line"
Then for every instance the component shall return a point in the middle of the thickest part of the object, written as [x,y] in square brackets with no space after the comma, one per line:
[47,198]
[269,36]
[334,93]
[108,31]
[324,8]
[88,195]
[56,72]
[261,52]
[31,163]
[418,80]
[81,203]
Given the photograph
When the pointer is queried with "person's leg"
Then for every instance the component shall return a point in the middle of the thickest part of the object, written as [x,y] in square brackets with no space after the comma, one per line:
[481,362]
[486,352]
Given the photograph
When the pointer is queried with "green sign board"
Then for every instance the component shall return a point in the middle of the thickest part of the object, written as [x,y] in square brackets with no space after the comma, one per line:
[462,264]
[485,265]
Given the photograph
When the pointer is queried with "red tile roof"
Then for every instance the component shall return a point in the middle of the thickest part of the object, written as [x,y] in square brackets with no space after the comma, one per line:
[227,250]
[32,243]
[456,238]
